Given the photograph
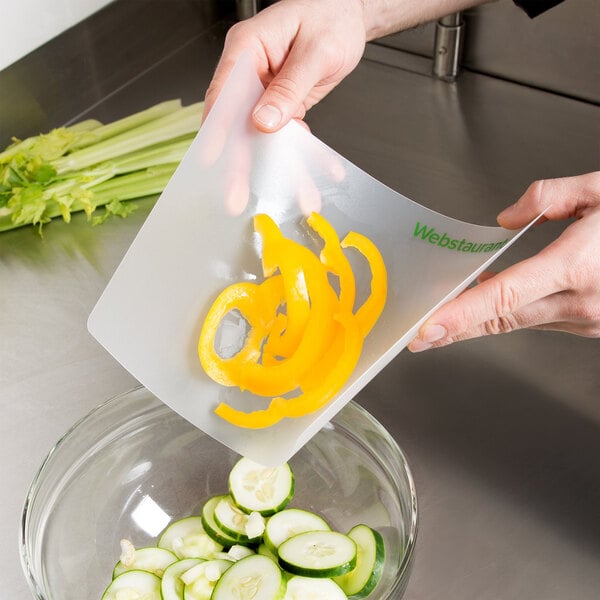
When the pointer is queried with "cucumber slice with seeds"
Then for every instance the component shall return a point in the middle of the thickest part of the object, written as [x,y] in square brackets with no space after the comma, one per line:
[306,588]
[153,560]
[255,487]
[133,585]
[256,577]
[210,524]
[171,586]
[236,523]
[200,581]
[289,522]
[318,554]
[370,559]
[186,538]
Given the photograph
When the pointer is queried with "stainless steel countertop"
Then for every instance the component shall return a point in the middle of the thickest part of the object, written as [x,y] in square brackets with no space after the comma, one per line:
[503,433]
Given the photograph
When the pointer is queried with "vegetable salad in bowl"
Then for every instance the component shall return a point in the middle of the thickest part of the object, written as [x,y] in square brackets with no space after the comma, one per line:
[135,502]
[246,544]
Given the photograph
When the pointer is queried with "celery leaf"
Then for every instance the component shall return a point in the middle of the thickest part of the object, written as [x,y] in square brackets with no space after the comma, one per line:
[115,208]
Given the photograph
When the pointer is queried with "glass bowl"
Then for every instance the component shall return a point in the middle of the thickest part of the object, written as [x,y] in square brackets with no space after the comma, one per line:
[133,465]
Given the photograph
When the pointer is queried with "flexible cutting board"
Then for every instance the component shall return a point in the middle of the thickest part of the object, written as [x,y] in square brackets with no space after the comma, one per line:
[199,239]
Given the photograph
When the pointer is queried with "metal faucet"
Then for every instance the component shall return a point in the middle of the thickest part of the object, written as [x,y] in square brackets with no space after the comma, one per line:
[448,46]
[246,8]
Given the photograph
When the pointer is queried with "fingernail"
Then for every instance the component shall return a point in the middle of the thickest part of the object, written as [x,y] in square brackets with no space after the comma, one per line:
[431,334]
[506,213]
[418,345]
[268,116]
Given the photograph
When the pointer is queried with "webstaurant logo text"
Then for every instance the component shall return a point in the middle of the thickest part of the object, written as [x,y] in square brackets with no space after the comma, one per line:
[443,240]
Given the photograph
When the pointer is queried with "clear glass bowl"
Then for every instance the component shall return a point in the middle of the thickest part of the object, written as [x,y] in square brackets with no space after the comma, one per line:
[133,465]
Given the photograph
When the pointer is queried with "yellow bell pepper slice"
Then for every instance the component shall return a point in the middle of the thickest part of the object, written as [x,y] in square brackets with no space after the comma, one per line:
[284,376]
[332,380]
[291,261]
[285,338]
[372,307]
[258,305]
[310,349]
[335,260]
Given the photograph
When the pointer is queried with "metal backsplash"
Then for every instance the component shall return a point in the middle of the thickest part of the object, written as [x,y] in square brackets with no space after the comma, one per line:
[558,51]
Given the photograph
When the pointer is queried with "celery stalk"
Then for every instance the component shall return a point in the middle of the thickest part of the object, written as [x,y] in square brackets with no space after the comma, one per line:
[159,154]
[125,124]
[134,185]
[42,177]
[184,121]
[85,126]
[139,184]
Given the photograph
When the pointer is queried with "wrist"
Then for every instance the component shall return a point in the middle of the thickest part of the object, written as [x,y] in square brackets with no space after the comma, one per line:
[382,17]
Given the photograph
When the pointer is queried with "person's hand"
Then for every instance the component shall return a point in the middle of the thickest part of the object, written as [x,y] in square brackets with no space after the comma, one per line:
[302,50]
[557,289]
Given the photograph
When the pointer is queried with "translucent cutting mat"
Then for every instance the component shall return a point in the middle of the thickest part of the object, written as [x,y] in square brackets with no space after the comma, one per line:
[199,239]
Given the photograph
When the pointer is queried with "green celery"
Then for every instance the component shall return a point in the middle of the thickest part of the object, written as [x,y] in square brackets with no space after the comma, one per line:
[158,154]
[85,126]
[184,121]
[42,177]
[62,199]
[109,130]
[138,184]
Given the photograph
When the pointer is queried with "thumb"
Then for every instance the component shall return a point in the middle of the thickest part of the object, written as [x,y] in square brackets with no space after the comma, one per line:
[286,96]
[561,198]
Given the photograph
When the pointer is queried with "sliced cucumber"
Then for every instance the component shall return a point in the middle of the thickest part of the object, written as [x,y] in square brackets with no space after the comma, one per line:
[289,522]
[171,586]
[210,525]
[237,552]
[236,523]
[151,559]
[199,581]
[256,577]
[318,554]
[309,588]
[133,585]
[186,538]
[370,559]
[266,551]
[255,487]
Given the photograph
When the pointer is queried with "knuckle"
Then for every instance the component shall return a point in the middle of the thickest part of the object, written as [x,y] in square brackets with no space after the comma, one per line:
[503,324]
[536,191]
[236,31]
[284,88]
[506,298]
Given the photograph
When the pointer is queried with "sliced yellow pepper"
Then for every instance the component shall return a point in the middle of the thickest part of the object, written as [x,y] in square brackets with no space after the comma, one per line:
[372,307]
[285,338]
[310,349]
[331,381]
[335,260]
[284,375]
[258,305]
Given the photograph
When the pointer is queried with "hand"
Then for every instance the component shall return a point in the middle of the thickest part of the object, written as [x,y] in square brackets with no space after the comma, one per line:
[302,50]
[557,289]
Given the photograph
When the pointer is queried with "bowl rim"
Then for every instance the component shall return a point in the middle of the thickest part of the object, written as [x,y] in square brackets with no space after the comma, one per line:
[33,488]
